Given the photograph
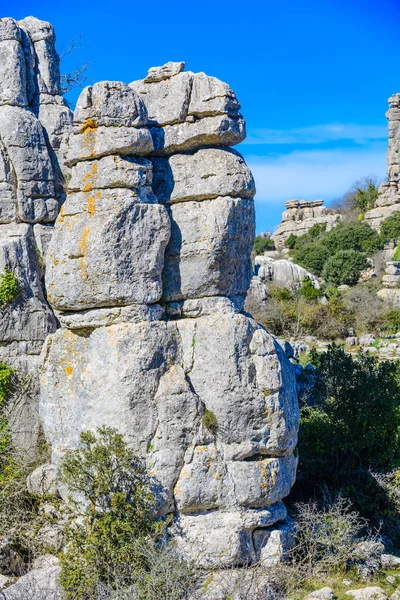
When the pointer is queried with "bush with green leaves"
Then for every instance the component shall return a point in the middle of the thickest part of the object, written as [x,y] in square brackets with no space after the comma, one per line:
[390,228]
[308,291]
[8,288]
[291,241]
[114,503]
[352,422]
[311,256]
[352,236]
[313,251]
[262,244]
[344,267]
[113,538]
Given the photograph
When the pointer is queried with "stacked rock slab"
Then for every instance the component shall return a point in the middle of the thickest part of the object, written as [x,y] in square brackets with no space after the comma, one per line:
[148,269]
[34,123]
[388,201]
[390,292]
[300,216]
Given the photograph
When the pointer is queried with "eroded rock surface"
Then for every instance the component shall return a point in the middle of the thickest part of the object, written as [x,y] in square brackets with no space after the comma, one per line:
[202,392]
[388,201]
[34,127]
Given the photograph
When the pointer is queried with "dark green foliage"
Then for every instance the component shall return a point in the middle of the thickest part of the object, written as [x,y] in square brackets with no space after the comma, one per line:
[291,241]
[390,228]
[315,248]
[353,423]
[115,515]
[209,421]
[5,381]
[262,244]
[392,320]
[344,267]
[353,236]
[308,291]
[312,257]
[8,288]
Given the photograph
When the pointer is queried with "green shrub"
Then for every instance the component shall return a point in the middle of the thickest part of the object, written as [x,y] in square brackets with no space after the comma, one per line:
[352,422]
[392,320]
[344,267]
[5,381]
[312,257]
[308,291]
[352,236]
[366,197]
[209,421]
[262,245]
[8,288]
[390,228]
[114,516]
[396,255]
[291,241]
[280,293]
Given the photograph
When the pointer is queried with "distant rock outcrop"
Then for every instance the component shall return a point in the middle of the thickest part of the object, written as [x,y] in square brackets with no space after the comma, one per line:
[388,201]
[300,216]
[147,271]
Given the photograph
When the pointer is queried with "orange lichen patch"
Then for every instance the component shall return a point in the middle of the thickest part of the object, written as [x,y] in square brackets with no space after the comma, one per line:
[91,205]
[88,124]
[56,262]
[69,370]
[88,178]
[83,244]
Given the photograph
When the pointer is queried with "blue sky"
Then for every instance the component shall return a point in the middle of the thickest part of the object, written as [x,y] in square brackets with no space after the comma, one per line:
[313,77]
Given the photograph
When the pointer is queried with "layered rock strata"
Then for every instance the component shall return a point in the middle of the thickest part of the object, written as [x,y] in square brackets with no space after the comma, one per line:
[300,216]
[147,271]
[388,201]
[34,125]
[390,292]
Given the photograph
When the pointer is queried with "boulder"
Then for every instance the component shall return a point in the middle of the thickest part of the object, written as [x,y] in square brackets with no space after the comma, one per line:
[43,481]
[209,250]
[389,561]
[368,593]
[282,272]
[110,104]
[367,339]
[38,584]
[325,593]
[107,250]
[218,131]
[208,173]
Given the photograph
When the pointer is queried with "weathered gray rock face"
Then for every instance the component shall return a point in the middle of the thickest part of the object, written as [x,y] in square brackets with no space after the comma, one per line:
[189,110]
[388,201]
[137,230]
[390,293]
[300,216]
[209,250]
[34,124]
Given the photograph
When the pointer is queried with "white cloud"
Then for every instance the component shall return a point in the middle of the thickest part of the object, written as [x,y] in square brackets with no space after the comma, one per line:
[313,174]
[317,134]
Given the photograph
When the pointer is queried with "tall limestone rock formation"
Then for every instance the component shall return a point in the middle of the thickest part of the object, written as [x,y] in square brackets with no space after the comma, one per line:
[388,201]
[34,123]
[147,271]
[300,216]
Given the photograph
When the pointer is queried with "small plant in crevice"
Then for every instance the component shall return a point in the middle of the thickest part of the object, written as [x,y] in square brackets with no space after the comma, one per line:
[209,421]
[9,289]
